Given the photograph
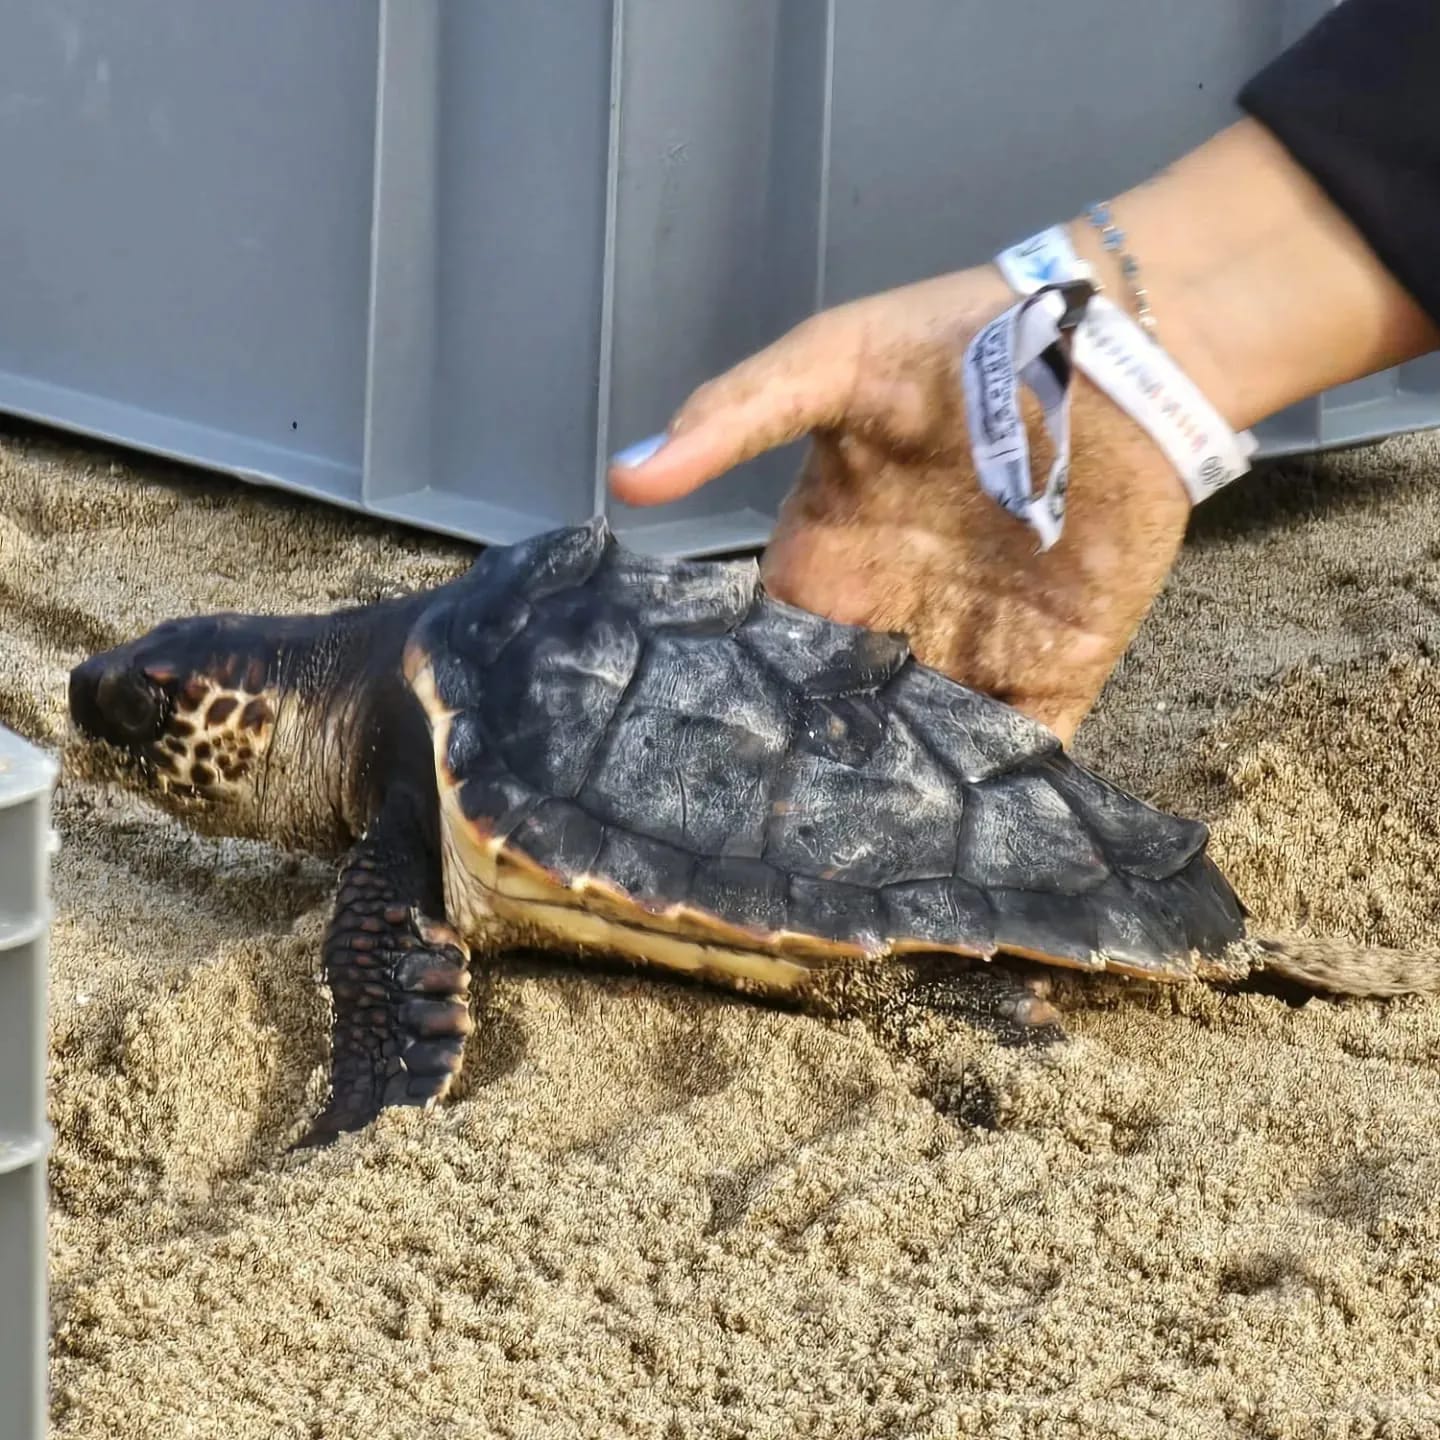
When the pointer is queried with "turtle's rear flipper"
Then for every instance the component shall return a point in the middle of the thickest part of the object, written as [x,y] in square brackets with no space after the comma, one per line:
[399,979]
[993,1000]
[959,1031]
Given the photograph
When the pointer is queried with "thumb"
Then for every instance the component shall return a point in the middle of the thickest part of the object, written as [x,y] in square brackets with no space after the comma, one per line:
[776,396]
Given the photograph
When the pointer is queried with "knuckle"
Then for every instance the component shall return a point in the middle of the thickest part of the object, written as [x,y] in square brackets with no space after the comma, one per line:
[703,401]
[816,334]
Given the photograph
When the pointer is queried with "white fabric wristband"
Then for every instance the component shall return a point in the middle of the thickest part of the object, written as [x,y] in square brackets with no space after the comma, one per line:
[1027,344]
[1046,258]
[1135,372]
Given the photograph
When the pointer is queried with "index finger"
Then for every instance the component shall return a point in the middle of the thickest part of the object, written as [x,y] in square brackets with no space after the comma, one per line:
[774,397]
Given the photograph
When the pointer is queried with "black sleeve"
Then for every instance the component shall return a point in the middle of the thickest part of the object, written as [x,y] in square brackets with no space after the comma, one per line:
[1356,101]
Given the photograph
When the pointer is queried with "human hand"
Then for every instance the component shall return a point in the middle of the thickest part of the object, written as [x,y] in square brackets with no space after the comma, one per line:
[887,525]
[1274,298]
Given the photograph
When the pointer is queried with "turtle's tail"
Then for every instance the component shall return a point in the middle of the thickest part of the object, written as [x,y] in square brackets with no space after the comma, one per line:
[1343,967]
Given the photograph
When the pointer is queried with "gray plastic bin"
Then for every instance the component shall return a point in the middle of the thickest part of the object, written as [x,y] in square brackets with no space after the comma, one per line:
[436,261]
[27,778]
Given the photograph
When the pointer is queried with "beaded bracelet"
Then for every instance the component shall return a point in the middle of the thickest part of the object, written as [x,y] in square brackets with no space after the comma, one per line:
[1112,237]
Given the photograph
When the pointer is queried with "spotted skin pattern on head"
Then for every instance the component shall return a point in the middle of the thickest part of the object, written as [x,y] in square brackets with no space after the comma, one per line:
[214,738]
[238,725]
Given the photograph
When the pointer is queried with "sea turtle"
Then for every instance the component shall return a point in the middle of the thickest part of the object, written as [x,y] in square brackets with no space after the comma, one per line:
[574,746]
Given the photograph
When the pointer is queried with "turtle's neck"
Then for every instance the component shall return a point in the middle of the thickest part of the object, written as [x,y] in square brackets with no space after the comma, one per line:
[346,724]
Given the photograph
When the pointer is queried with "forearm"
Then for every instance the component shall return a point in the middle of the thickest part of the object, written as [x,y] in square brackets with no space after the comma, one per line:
[1261,287]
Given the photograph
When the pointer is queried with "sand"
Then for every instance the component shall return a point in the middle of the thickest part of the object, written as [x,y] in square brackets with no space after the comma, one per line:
[651,1211]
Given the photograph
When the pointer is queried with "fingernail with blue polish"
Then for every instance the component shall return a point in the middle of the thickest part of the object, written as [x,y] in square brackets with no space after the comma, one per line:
[639,453]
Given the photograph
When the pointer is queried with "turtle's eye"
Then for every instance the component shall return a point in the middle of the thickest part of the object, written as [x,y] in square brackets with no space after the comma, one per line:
[116,703]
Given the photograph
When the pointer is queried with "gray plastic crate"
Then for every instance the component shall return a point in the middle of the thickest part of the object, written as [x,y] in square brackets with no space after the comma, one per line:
[27,778]
[437,261]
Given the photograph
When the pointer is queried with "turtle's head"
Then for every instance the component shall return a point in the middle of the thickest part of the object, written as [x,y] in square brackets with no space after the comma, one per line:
[233,722]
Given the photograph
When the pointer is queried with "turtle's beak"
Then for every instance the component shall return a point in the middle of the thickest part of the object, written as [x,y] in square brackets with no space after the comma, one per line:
[112,701]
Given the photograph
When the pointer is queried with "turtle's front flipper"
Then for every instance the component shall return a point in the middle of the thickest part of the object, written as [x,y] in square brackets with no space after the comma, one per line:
[399,976]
